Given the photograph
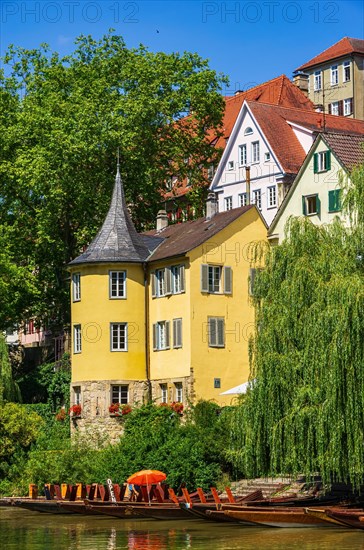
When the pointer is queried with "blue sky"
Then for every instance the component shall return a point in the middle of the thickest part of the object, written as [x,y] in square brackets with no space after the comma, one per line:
[250,41]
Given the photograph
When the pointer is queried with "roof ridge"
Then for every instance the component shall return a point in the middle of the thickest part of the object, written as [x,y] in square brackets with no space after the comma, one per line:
[258,86]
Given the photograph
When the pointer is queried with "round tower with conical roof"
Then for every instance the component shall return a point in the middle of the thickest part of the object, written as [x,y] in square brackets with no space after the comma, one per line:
[108,301]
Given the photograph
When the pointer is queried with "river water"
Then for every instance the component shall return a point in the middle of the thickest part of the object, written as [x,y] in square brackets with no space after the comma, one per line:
[24,530]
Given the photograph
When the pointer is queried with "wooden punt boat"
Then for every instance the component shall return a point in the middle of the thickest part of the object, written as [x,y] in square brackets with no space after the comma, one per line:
[44,506]
[321,513]
[124,509]
[349,518]
[293,517]
[160,512]
[221,517]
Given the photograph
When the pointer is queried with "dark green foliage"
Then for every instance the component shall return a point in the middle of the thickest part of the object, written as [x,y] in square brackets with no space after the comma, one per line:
[9,390]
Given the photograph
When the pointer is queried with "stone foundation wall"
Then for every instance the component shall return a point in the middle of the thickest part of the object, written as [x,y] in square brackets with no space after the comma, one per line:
[187,388]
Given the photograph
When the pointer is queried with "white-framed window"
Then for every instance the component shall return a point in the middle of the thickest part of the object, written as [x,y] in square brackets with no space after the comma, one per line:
[317,81]
[310,205]
[76,287]
[117,284]
[216,332]
[160,282]
[334,75]
[346,71]
[266,157]
[77,339]
[216,279]
[230,165]
[161,335]
[257,198]
[321,161]
[164,393]
[77,395]
[178,278]
[334,108]
[228,203]
[120,394]
[177,333]
[271,196]
[243,199]
[178,392]
[119,336]
[248,131]
[243,155]
[348,106]
[255,152]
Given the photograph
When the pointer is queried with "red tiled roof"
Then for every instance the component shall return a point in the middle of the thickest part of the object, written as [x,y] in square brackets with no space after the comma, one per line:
[183,237]
[274,122]
[348,148]
[345,46]
[278,91]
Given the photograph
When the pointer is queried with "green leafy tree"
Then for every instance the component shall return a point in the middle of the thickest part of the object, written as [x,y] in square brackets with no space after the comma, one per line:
[9,390]
[305,412]
[61,123]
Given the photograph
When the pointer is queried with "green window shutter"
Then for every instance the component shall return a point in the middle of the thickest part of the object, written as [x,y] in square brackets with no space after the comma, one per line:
[204,278]
[252,273]
[335,200]
[304,211]
[220,332]
[318,205]
[228,280]
[331,201]
[152,276]
[328,160]
[315,164]
[182,275]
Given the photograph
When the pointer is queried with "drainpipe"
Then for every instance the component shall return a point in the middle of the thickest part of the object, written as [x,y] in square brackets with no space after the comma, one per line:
[247,177]
[147,353]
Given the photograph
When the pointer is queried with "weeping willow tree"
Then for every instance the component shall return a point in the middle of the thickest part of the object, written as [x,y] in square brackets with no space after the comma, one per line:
[9,390]
[305,411]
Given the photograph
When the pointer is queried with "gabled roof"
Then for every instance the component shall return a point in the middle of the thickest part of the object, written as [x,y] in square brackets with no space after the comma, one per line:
[117,240]
[345,46]
[180,238]
[348,148]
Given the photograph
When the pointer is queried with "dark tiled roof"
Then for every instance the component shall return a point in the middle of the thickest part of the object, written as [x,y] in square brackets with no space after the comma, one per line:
[274,121]
[345,46]
[181,238]
[117,240]
[349,149]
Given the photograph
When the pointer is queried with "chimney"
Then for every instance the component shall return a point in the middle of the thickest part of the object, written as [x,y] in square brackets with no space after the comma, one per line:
[301,81]
[162,220]
[247,183]
[211,206]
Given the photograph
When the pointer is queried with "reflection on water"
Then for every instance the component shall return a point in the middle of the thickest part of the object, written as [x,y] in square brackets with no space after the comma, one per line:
[23,530]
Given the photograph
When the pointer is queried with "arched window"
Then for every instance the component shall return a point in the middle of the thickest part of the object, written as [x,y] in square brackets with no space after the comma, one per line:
[248,131]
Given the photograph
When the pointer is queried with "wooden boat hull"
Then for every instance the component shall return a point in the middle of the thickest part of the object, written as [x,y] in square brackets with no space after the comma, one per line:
[161,512]
[321,513]
[348,518]
[277,518]
[43,506]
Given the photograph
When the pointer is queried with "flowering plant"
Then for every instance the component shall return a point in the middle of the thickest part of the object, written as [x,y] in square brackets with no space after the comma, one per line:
[61,415]
[75,410]
[177,407]
[119,410]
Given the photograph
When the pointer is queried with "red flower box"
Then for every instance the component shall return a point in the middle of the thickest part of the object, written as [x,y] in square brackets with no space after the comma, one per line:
[75,410]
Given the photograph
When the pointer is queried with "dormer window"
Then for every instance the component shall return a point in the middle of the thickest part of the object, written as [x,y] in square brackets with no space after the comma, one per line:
[248,131]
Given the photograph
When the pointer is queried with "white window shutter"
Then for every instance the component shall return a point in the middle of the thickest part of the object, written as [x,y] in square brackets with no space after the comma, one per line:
[179,332]
[152,276]
[228,280]
[220,332]
[168,280]
[204,278]
[182,276]
[155,336]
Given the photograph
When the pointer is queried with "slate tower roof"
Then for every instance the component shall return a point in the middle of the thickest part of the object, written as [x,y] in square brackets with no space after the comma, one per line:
[117,240]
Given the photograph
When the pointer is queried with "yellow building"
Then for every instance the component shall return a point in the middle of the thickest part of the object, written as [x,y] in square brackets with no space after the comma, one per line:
[164,315]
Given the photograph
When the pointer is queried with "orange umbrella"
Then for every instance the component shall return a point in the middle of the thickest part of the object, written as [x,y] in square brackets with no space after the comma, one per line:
[146,477]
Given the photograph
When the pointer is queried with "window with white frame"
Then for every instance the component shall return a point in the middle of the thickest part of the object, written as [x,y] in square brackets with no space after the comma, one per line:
[164,393]
[230,165]
[77,395]
[248,131]
[266,157]
[216,332]
[243,199]
[346,71]
[334,108]
[228,203]
[271,196]
[161,335]
[76,287]
[321,161]
[257,198]
[119,336]
[178,278]
[120,394]
[77,339]
[177,333]
[117,284]
[310,205]
[317,81]
[243,155]
[255,152]
[334,75]
[348,106]
[216,279]
[178,392]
